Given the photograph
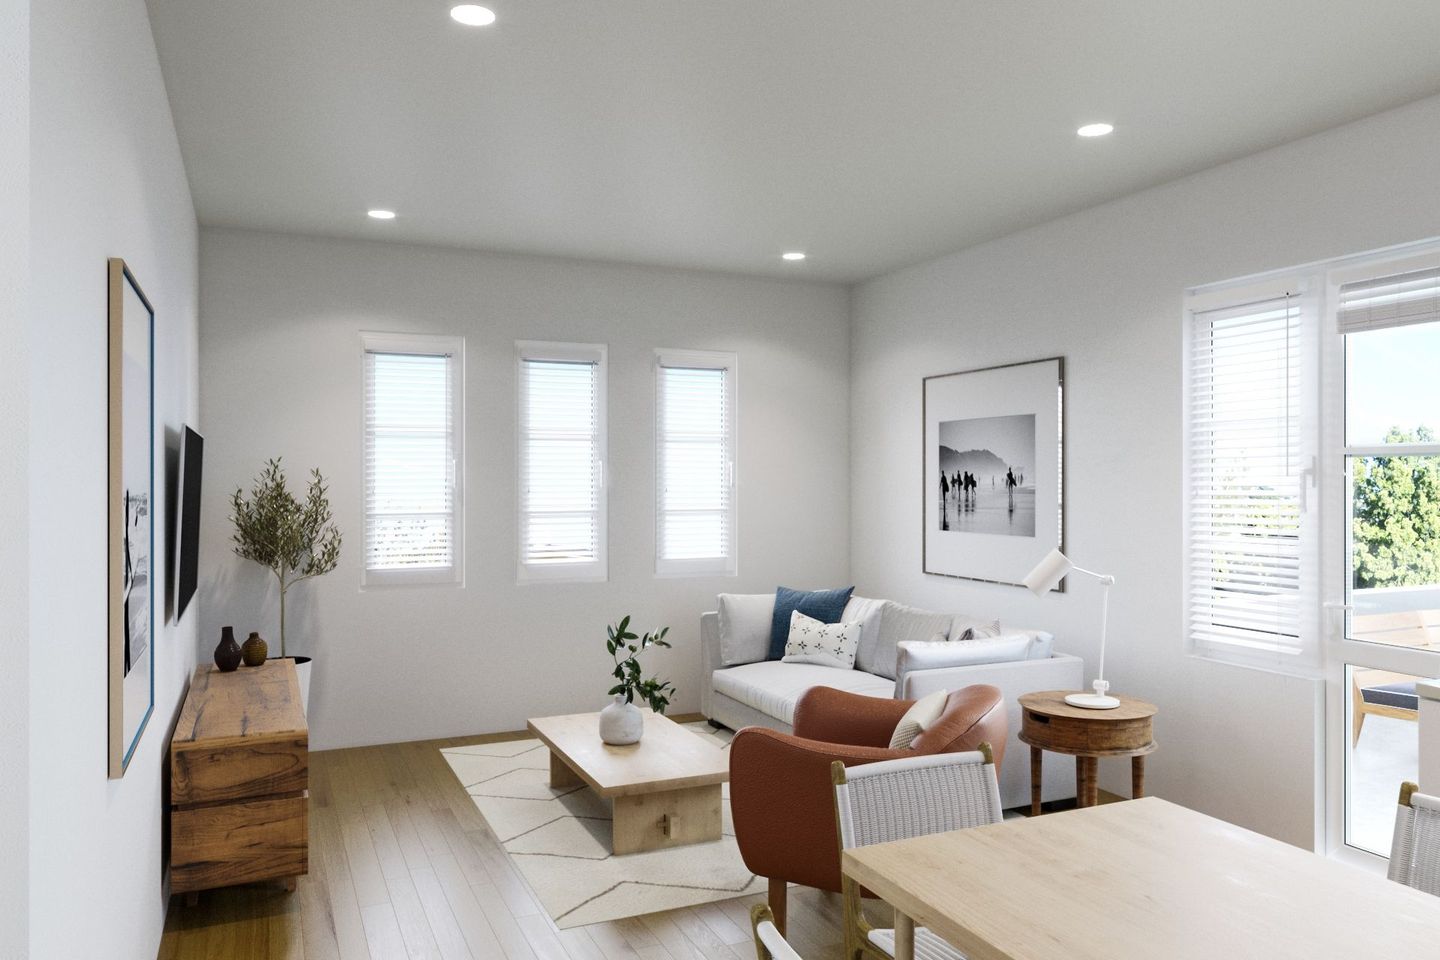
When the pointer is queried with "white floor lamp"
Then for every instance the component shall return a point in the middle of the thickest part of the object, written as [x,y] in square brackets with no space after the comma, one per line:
[1047,574]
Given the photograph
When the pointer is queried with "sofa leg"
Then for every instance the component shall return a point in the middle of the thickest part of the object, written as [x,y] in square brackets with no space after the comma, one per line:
[776,899]
[716,724]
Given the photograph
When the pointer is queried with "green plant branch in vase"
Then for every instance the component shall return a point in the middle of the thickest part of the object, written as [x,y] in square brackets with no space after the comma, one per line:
[632,683]
[295,540]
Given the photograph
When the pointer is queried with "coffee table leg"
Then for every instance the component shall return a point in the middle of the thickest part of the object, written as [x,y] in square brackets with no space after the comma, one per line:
[561,776]
[668,818]
[1137,777]
[1037,780]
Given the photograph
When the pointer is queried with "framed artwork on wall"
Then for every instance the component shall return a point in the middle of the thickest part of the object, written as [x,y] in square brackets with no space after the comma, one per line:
[994,470]
[132,579]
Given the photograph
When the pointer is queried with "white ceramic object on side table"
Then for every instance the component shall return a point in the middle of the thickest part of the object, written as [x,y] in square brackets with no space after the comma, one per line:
[621,723]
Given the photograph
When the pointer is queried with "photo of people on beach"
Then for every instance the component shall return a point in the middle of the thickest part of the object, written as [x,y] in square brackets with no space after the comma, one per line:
[987,475]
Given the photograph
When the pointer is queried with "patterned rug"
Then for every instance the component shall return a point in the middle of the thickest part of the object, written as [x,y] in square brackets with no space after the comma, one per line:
[559,840]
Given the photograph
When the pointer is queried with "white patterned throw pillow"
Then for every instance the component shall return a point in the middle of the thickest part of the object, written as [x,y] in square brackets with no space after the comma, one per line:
[826,644]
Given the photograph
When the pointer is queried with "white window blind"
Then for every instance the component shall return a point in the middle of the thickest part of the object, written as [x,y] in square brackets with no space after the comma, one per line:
[412,459]
[1250,576]
[695,463]
[562,443]
[1394,301]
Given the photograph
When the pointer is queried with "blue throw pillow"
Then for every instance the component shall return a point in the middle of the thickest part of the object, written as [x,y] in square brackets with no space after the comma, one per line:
[824,605]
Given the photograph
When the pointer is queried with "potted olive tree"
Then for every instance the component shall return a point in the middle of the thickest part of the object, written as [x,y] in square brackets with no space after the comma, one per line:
[294,539]
[622,722]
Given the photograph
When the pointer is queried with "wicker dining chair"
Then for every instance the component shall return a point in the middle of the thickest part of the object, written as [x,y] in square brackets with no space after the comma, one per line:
[769,944]
[900,799]
[1415,848]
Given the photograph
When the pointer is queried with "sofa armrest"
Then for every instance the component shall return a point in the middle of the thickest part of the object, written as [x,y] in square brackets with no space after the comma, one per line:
[1012,679]
[915,655]
[1060,671]
[709,659]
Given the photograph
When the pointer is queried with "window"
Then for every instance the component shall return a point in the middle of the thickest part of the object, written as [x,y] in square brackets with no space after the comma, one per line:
[1252,579]
[414,439]
[562,461]
[1390,326]
[695,463]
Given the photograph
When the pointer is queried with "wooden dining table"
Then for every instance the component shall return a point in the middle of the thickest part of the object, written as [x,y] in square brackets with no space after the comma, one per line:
[1139,880]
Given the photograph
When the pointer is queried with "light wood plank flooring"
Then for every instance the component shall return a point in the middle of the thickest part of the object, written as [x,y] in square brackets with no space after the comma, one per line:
[403,866]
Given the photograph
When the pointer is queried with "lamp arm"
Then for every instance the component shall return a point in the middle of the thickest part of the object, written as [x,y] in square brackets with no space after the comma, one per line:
[1104,578]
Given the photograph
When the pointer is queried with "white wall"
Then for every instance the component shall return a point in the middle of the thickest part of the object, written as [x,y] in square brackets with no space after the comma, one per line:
[1104,288]
[107,181]
[280,367]
[14,475]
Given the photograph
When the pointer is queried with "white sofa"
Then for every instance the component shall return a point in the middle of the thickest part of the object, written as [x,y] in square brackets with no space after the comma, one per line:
[900,656]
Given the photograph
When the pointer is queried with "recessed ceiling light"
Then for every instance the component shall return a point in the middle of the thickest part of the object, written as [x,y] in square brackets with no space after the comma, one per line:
[792,255]
[1095,129]
[381,214]
[472,15]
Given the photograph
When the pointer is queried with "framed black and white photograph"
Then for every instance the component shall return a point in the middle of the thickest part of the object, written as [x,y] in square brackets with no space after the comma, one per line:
[131,514]
[993,496]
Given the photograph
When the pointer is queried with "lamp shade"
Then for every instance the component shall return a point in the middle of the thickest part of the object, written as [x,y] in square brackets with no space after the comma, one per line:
[1048,573]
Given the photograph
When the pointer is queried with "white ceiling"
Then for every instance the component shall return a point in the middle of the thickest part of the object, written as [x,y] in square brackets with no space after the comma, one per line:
[719,134]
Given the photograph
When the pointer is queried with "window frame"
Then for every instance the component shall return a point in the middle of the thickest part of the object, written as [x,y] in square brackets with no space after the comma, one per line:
[1341,650]
[1308,660]
[727,566]
[419,344]
[592,571]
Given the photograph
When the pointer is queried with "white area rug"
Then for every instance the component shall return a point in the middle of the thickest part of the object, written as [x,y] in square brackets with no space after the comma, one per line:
[559,840]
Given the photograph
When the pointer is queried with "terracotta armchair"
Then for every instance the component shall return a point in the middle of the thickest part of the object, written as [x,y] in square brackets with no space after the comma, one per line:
[780,789]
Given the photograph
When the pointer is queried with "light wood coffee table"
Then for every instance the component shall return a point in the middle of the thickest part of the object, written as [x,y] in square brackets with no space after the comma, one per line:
[665,790]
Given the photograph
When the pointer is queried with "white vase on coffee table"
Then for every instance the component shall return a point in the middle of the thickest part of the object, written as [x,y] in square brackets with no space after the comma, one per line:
[621,723]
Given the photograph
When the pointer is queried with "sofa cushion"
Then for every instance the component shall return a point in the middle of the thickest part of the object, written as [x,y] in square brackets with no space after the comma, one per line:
[976,628]
[745,627]
[900,623]
[773,687]
[824,605]
[1042,645]
[866,612]
[938,654]
[828,644]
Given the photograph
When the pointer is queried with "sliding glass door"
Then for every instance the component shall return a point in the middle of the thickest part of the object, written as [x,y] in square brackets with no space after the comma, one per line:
[1382,545]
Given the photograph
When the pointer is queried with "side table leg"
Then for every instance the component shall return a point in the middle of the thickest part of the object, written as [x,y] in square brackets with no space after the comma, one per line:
[1137,777]
[1037,780]
[1085,792]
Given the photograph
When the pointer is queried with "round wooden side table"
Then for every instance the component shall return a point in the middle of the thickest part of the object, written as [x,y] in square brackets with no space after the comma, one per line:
[1047,722]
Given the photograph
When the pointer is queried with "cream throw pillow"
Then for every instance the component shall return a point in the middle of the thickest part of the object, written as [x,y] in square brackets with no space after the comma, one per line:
[918,718]
[826,644]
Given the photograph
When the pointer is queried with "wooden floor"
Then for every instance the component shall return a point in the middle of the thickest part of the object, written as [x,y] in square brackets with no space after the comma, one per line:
[402,865]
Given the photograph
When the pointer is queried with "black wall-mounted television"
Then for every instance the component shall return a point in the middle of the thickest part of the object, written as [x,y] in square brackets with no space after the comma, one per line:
[187,527]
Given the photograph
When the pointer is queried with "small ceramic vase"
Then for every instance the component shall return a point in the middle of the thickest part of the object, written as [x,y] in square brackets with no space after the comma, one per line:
[254,650]
[621,722]
[227,652]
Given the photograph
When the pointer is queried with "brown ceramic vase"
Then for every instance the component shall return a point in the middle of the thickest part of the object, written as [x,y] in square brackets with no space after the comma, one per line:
[227,652]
